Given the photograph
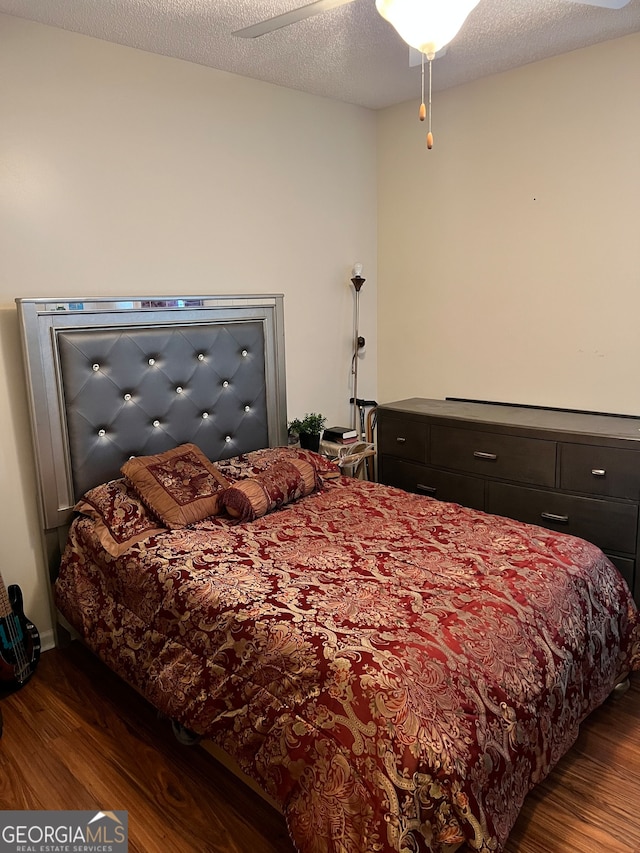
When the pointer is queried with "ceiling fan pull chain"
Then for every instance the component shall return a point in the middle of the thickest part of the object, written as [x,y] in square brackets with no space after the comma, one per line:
[423,110]
[430,135]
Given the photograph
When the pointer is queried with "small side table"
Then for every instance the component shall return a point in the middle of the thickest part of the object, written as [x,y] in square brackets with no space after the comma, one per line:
[354,460]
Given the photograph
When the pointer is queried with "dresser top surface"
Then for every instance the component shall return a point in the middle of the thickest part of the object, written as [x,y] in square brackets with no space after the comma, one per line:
[524,417]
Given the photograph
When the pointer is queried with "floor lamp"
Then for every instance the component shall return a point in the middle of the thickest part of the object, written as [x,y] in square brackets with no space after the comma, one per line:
[358,342]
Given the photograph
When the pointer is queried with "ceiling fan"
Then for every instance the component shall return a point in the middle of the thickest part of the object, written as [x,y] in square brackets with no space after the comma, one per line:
[317,6]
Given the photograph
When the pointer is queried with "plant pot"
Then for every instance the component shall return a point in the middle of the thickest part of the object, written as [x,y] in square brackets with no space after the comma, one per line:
[310,441]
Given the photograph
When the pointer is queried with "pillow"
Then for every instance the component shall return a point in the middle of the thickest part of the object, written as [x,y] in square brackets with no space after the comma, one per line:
[120,518]
[278,485]
[250,464]
[180,485]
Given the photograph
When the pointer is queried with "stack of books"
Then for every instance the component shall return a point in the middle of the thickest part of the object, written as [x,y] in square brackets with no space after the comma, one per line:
[340,435]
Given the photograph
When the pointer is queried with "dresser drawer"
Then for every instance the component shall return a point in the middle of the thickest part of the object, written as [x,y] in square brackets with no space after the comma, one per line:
[487,454]
[607,471]
[404,438]
[443,485]
[612,525]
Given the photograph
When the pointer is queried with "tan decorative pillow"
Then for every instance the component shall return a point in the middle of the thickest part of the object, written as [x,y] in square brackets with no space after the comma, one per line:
[180,485]
[119,516]
[278,485]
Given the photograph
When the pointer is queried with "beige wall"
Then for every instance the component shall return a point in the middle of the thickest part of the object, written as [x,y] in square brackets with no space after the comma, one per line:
[509,255]
[131,174]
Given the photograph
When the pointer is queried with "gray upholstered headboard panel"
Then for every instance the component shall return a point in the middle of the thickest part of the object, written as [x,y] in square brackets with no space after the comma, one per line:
[110,379]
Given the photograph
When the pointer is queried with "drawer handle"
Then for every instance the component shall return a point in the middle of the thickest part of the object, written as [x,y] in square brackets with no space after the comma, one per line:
[480,455]
[598,472]
[400,439]
[551,516]
[428,490]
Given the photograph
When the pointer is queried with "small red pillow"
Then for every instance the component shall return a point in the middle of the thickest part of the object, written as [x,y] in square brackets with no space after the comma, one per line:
[278,485]
[119,516]
[180,485]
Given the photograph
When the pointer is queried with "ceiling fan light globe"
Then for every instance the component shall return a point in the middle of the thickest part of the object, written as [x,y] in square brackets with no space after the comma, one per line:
[427,25]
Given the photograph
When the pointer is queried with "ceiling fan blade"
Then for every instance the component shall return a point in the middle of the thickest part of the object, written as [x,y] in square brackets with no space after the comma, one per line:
[292,17]
[606,4]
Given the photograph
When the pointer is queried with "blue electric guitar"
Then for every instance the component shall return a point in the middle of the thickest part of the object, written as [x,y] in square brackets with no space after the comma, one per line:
[19,639]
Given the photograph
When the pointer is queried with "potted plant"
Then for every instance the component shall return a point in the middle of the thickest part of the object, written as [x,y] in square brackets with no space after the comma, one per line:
[308,430]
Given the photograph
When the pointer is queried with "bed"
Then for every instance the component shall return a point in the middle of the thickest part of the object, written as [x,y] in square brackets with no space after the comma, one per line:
[394,672]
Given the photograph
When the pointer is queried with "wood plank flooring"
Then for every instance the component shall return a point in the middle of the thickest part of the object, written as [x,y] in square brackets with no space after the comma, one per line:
[76,737]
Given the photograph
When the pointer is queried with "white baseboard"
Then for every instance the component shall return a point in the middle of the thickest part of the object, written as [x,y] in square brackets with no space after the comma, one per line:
[47,640]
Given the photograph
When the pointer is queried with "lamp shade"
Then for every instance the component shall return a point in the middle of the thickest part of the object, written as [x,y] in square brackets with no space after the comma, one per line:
[427,25]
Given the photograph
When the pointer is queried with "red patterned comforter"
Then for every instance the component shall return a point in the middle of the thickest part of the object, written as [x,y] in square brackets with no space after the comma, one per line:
[395,671]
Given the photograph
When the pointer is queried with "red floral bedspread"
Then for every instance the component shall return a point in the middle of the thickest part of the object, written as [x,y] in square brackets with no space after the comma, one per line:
[395,671]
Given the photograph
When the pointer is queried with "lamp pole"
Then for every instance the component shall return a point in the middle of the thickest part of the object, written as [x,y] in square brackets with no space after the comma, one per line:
[358,342]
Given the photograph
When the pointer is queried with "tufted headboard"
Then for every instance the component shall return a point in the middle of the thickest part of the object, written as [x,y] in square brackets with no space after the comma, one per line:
[108,379]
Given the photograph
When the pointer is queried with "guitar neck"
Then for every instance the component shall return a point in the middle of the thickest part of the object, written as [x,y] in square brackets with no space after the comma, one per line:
[5,604]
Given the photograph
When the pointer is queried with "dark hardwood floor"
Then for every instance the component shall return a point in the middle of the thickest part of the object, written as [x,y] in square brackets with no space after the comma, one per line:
[76,737]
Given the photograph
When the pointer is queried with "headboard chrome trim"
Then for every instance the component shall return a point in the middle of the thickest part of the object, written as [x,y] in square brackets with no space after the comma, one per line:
[110,378]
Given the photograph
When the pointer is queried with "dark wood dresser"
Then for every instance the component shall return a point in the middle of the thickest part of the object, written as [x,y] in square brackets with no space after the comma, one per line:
[574,472]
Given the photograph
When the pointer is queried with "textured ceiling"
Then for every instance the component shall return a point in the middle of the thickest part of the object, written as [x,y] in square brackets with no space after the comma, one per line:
[347,53]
